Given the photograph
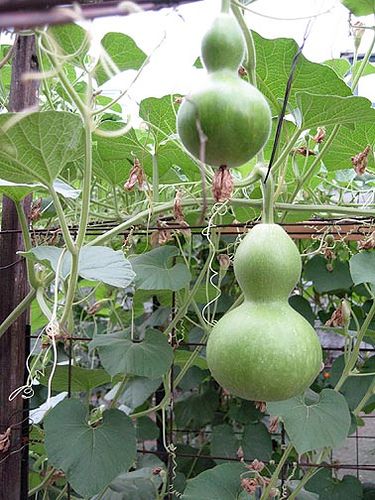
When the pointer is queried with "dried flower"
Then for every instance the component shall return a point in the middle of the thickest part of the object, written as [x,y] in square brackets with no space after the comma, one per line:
[341,316]
[304,151]
[36,210]
[5,441]
[367,243]
[222,184]
[136,176]
[360,161]
[224,261]
[261,406]
[320,135]
[249,485]
[256,465]
[273,425]
[242,71]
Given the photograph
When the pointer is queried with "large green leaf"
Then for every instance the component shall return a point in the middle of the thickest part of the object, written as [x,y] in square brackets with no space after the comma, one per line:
[82,379]
[348,143]
[72,39]
[362,268]
[340,66]
[124,53]
[91,457]
[327,281]
[322,421]
[150,357]
[330,488]
[140,484]
[319,110]
[196,410]
[17,191]
[95,263]
[154,272]
[222,482]
[160,114]
[256,442]
[137,390]
[360,7]
[224,442]
[274,61]
[38,146]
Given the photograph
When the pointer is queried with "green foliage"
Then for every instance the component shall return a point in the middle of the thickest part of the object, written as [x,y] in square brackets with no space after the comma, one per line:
[154,272]
[360,7]
[362,268]
[82,379]
[330,488]
[325,279]
[148,357]
[314,421]
[91,457]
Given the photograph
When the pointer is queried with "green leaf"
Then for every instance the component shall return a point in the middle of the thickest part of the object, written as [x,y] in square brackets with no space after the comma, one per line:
[113,157]
[302,306]
[91,457]
[221,482]
[154,272]
[137,390]
[123,51]
[140,484]
[256,442]
[82,379]
[368,70]
[348,143]
[360,7]
[16,191]
[39,145]
[244,411]
[325,280]
[146,429]
[150,357]
[196,410]
[160,113]
[72,39]
[319,110]
[181,357]
[340,66]
[95,263]
[362,267]
[311,425]
[330,488]
[274,62]
[224,442]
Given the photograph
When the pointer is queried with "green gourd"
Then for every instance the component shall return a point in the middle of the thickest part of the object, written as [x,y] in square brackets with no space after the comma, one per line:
[231,115]
[264,350]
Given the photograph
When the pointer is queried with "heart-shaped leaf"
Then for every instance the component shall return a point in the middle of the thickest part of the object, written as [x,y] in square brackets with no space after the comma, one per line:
[39,145]
[324,422]
[82,379]
[137,390]
[91,457]
[154,272]
[223,481]
[362,268]
[150,357]
[224,442]
[95,263]
[256,442]
[330,488]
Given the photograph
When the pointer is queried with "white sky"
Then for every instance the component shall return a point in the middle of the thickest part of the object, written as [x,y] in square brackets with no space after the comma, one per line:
[170,69]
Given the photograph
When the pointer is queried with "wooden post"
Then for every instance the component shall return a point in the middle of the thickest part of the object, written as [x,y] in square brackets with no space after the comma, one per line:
[13,288]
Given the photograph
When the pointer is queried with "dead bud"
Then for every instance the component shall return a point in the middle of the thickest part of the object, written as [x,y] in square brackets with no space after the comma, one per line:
[242,71]
[273,425]
[156,471]
[257,465]
[179,214]
[240,453]
[367,243]
[222,184]
[178,100]
[136,176]
[224,261]
[320,135]
[341,316]
[328,253]
[358,32]
[94,308]
[5,440]
[36,210]
[360,161]
[249,485]
[304,151]
[261,406]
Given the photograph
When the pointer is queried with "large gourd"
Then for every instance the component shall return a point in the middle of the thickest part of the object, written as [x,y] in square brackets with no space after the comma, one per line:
[230,116]
[264,350]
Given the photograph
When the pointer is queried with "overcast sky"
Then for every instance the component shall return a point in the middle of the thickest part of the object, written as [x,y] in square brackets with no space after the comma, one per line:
[170,69]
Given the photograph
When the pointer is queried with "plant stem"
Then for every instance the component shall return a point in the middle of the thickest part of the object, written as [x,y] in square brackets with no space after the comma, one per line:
[363,64]
[34,282]
[225,6]
[41,485]
[17,311]
[355,352]
[275,475]
[60,213]
[155,178]
[250,63]
[119,391]
[370,391]
[73,277]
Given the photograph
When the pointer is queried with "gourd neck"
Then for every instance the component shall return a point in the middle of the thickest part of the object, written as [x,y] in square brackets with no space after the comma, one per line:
[268,190]
[225,6]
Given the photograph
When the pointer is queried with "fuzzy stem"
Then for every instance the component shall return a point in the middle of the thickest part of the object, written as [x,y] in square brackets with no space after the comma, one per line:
[275,475]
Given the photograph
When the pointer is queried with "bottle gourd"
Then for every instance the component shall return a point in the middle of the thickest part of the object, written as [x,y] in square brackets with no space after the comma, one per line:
[264,350]
[230,115]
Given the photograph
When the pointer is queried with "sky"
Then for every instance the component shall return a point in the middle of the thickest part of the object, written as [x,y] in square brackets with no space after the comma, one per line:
[173,38]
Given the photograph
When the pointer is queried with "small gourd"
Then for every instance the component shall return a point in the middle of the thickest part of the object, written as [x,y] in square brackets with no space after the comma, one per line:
[231,115]
[264,350]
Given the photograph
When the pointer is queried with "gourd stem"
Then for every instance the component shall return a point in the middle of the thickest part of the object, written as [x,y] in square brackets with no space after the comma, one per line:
[250,63]
[268,192]
[225,6]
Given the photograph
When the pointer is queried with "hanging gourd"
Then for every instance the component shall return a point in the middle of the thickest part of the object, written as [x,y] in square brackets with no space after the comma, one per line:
[229,116]
[264,350]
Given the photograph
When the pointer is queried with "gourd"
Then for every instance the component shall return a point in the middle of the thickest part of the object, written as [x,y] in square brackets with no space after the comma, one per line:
[264,350]
[228,115]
